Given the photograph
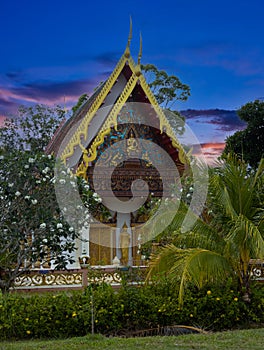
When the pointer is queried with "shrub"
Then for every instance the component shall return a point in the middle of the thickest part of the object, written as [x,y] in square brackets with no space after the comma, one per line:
[131,308]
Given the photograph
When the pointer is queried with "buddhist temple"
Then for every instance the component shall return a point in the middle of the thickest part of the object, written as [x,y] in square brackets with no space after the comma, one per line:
[118,136]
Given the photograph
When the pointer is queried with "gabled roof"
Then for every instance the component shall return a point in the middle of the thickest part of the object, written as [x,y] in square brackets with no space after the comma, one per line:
[86,130]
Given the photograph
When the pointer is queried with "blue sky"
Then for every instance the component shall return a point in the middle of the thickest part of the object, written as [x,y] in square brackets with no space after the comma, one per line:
[56,50]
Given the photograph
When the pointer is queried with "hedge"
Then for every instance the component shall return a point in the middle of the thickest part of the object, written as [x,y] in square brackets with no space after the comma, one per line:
[131,308]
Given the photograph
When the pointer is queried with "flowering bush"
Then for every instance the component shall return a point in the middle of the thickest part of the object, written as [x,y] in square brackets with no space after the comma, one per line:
[128,309]
[35,229]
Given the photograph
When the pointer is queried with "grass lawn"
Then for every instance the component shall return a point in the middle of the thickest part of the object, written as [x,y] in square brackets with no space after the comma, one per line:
[252,339]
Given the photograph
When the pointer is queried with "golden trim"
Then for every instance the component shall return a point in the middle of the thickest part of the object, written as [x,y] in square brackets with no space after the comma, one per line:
[127,51]
[83,127]
[164,124]
[51,279]
[140,50]
[111,121]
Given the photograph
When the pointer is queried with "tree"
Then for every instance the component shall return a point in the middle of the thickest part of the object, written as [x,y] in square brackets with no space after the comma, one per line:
[33,229]
[32,128]
[249,143]
[166,88]
[31,225]
[224,245]
[82,99]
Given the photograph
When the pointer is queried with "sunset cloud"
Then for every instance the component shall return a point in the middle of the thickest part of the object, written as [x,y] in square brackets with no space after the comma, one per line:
[46,92]
[2,120]
[213,125]
[209,151]
[224,119]
[212,151]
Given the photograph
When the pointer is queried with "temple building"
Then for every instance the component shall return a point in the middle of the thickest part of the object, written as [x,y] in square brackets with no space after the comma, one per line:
[118,141]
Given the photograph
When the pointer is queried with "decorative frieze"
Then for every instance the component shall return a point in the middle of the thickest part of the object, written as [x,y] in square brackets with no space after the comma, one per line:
[49,280]
[57,280]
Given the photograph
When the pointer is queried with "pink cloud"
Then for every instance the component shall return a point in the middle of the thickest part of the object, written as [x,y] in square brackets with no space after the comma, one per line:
[209,152]
[2,120]
[212,151]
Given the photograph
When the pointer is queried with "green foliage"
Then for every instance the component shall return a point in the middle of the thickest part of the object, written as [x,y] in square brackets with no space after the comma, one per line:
[249,143]
[222,242]
[128,309]
[166,88]
[32,225]
[82,99]
[31,129]
[33,229]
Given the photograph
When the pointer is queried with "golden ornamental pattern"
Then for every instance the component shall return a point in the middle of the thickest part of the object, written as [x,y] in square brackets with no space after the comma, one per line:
[49,280]
[110,122]
[83,127]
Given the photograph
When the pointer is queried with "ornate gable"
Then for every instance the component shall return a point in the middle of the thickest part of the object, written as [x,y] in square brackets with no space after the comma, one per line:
[80,138]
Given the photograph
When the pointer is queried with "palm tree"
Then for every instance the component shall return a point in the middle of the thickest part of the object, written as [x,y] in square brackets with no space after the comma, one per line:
[223,245]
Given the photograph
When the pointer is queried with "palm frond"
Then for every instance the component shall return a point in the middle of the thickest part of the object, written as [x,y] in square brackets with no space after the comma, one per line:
[247,238]
[184,266]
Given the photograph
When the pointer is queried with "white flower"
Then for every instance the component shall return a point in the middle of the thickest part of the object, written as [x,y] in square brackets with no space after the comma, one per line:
[95,195]
[11,184]
[59,225]
[1,157]
[17,194]
[31,160]
[71,229]
[43,225]
[49,156]
[44,171]
[188,195]
[62,181]
[45,240]
[34,201]
[26,166]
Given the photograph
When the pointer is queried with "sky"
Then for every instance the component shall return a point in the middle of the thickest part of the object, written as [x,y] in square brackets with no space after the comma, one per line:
[54,51]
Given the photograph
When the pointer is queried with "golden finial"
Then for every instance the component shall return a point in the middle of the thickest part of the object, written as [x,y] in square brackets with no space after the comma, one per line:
[130,33]
[127,52]
[64,104]
[140,50]
[138,68]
